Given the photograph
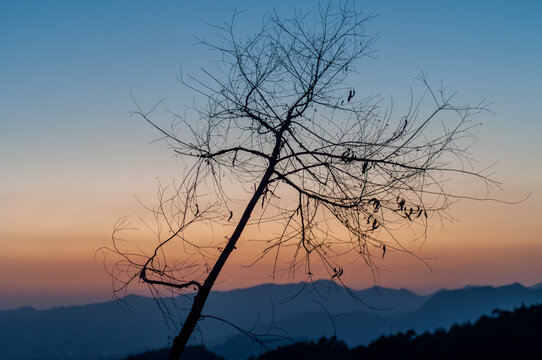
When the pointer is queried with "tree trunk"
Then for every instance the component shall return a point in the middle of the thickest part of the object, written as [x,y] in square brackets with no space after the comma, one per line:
[180,341]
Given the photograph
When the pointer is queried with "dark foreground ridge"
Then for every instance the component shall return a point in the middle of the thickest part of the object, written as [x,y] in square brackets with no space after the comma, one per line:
[503,335]
[190,353]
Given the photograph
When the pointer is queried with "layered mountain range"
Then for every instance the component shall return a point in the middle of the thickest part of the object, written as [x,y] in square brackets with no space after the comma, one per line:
[278,314]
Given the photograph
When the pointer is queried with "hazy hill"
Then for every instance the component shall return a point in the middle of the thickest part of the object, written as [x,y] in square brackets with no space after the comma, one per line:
[441,310]
[105,330]
[270,301]
[446,307]
[82,332]
[503,335]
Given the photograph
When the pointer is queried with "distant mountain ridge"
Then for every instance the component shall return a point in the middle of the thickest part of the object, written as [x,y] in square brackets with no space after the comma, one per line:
[105,330]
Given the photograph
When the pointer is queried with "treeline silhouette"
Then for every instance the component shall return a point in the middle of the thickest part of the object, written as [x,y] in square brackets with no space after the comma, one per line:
[503,335]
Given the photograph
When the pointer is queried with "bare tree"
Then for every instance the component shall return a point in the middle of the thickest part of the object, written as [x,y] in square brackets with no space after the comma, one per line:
[340,174]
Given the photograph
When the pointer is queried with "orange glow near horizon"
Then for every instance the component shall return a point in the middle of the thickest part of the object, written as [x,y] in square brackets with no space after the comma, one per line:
[485,246]
[72,158]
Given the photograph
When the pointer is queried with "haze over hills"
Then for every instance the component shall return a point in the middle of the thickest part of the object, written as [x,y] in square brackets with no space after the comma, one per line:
[106,330]
[440,310]
[502,335]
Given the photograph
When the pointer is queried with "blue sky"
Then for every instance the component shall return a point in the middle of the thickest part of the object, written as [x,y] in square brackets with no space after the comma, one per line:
[72,158]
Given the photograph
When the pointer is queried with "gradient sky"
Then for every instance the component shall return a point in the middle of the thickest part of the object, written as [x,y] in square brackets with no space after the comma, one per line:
[72,160]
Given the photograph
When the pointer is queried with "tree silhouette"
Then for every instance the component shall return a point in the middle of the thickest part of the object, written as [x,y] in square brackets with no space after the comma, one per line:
[340,174]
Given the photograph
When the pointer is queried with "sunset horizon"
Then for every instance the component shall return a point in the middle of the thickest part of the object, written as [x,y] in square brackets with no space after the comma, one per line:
[75,159]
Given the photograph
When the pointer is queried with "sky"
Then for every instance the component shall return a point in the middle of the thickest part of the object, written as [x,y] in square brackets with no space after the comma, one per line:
[73,160]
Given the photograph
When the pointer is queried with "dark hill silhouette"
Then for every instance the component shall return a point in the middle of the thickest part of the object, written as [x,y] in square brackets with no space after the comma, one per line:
[323,349]
[190,353]
[503,335]
[105,330]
